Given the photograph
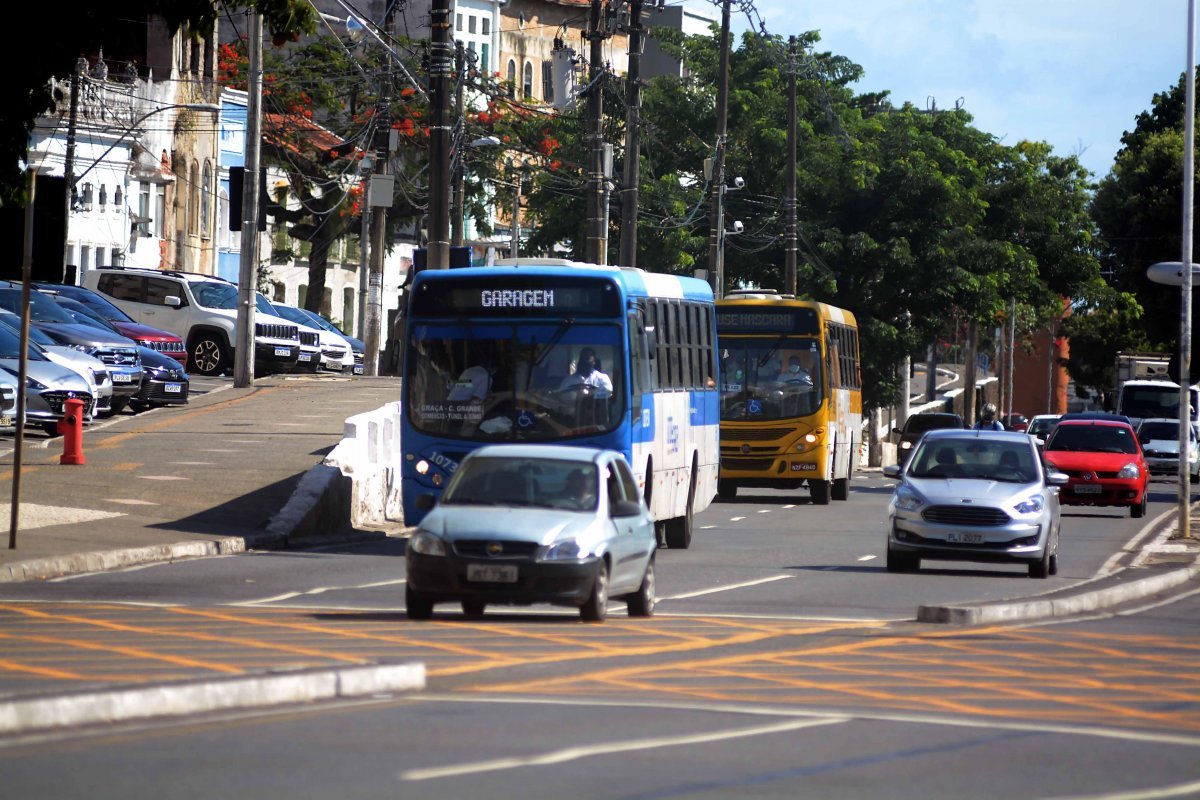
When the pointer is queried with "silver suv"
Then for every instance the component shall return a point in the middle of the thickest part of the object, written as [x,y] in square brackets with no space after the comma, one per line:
[202,310]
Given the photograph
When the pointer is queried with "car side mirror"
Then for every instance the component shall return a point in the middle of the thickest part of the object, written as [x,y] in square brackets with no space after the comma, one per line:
[172,300]
[626,508]
[425,502]
[1057,479]
[891,471]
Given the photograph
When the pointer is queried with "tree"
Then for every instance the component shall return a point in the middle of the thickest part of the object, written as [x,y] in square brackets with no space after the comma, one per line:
[81,27]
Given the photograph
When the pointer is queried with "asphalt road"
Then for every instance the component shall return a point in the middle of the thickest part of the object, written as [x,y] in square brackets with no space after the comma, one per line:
[782,662]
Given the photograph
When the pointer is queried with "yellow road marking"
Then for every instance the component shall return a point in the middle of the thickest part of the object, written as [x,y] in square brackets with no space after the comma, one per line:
[136,652]
[45,672]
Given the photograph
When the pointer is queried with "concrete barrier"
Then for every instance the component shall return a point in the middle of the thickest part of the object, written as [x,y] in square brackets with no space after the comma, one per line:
[369,455]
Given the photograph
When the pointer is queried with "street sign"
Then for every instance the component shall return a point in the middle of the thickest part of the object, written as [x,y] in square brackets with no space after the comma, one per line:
[1171,273]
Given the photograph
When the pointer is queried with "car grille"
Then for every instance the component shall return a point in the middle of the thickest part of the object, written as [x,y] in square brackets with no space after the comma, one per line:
[752,434]
[156,390]
[170,348]
[57,400]
[358,358]
[966,515]
[310,339]
[478,548]
[1076,473]
[8,398]
[276,331]
[118,356]
[1161,454]
[330,352]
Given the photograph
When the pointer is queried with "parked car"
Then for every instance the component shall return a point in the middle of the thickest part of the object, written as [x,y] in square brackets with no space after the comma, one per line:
[8,403]
[523,524]
[164,381]
[309,357]
[1159,438]
[91,368]
[1041,425]
[118,353]
[202,310]
[336,353]
[1104,461]
[357,348]
[975,496]
[1015,422]
[916,426]
[48,386]
[146,336]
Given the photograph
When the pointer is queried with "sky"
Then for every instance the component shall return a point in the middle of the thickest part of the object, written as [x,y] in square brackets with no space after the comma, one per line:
[1074,73]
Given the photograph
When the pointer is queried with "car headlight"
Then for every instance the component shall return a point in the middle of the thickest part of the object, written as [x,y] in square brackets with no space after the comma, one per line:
[1129,471]
[569,550]
[427,544]
[1031,505]
[908,500]
[36,386]
[906,445]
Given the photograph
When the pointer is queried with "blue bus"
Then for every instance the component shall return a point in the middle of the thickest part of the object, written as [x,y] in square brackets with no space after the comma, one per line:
[548,350]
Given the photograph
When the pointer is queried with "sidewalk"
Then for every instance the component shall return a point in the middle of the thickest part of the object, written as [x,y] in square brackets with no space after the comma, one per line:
[209,477]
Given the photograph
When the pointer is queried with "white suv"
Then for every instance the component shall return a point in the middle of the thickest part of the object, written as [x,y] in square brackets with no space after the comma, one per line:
[202,310]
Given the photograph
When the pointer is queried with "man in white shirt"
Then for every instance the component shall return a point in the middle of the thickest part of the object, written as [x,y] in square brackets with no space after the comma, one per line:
[587,373]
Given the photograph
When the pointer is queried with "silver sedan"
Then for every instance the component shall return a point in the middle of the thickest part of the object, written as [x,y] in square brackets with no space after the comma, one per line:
[974,496]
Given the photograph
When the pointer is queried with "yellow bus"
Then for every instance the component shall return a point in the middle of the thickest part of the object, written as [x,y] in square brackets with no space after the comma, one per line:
[791,395]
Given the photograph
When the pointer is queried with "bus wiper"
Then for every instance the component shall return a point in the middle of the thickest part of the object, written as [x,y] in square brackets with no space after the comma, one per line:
[762,362]
[540,354]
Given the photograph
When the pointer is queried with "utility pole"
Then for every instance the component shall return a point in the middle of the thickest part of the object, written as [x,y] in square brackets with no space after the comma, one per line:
[380,194]
[14,519]
[69,167]
[790,246]
[440,62]
[716,219]
[514,246]
[633,124]
[459,152]
[243,352]
[1184,530]
[594,191]
[364,264]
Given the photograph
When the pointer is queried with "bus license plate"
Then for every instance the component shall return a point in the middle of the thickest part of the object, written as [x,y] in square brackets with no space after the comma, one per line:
[492,573]
[173,388]
[1087,489]
[283,351]
[964,538]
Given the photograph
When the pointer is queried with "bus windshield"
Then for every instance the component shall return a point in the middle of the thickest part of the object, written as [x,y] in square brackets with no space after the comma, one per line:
[1152,401]
[500,381]
[770,378]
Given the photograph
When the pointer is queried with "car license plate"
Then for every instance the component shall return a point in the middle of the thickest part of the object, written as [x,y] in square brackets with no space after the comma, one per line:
[964,538]
[5,421]
[358,370]
[1087,489]
[492,573]
[121,377]
[173,388]
[305,357]
[283,351]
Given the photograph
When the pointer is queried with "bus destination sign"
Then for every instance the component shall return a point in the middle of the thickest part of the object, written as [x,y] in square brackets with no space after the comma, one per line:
[802,321]
[542,297]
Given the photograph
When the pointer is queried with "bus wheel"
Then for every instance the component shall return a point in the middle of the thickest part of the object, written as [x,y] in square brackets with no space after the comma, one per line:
[679,530]
[726,489]
[841,488]
[819,491]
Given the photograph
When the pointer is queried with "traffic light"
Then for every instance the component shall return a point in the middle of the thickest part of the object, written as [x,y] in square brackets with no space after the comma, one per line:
[237,177]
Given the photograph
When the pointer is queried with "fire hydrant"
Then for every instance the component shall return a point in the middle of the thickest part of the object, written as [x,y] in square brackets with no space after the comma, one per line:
[71,429]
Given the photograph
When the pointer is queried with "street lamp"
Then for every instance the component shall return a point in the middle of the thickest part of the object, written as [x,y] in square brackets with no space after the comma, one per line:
[458,201]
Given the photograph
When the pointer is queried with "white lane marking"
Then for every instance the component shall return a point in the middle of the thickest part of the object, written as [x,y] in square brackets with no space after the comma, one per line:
[36,515]
[1113,563]
[789,505]
[736,519]
[162,478]
[730,587]
[1178,790]
[867,558]
[707,527]
[764,511]
[608,748]
[136,568]
[318,590]
[130,502]
[193,463]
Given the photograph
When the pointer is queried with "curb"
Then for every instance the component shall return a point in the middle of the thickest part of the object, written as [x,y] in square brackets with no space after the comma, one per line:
[198,697]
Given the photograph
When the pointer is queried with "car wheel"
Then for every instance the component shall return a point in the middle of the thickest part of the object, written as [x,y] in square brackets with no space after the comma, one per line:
[1195,476]
[1138,511]
[1041,567]
[726,489]
[595,609]
[50,428]
[641,602]
[417,605]
[841,489]
[819,491]
[207,354]
[902,562]
[473,608]
[679,530]
[1054,564]
[117,406]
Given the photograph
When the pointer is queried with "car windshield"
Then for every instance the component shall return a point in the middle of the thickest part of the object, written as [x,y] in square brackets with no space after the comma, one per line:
[1039,426]
[758,382]
[1159,430]
[502,382]
[321,322]
[41,307]
[211,294]
[264,305]
[538,482]
[98,304]
[293,314]
[978,459]
[919,423]
[1092,439]
[10,345]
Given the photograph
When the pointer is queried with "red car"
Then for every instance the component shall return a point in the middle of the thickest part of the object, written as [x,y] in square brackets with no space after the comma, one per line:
[1015,422]
[1104,461]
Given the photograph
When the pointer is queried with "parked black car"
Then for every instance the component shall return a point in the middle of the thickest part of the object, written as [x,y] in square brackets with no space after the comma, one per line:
[164,381]
[916,426]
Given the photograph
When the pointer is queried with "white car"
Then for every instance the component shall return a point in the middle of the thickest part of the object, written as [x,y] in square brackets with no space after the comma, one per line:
[1040,426]
[1160,446]
[90,368]
[336,354]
